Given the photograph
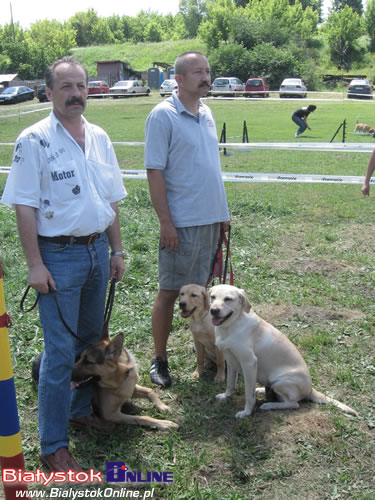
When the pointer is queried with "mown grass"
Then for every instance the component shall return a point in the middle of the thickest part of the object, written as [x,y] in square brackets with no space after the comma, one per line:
[304,254]
[139,55]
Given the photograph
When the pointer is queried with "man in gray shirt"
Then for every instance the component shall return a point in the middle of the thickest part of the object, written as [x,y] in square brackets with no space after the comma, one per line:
[187,192]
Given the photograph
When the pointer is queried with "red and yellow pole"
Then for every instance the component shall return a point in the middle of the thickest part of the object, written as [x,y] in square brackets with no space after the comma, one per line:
[11,456]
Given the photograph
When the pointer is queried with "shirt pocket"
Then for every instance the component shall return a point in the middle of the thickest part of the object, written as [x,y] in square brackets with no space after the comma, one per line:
[101,175]
[65,182]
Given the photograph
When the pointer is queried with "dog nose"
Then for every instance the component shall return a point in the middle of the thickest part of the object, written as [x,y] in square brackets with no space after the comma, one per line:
[182,305]
[215,311]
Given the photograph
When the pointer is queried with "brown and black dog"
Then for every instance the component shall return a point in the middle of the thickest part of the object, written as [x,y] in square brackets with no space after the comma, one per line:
[113,371]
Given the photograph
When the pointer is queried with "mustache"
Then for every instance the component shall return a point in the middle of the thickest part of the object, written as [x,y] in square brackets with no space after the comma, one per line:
[75,100]
[205,84]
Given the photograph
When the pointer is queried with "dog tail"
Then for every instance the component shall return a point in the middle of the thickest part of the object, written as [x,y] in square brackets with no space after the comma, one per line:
[318,397]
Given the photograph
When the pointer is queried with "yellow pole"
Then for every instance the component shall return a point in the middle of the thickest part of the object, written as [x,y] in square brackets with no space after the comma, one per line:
[11,456]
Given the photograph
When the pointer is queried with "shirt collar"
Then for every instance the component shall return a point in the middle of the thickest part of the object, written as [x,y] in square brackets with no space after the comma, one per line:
[181,108]
[55,122]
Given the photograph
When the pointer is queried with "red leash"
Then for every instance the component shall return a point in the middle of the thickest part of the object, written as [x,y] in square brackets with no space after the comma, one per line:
[220,268]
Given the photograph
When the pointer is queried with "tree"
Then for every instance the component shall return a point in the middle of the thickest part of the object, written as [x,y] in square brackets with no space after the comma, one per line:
[355,5]
[370,21]
[90,29]
[342,30]
[16,56]
[193,12]
[218,25]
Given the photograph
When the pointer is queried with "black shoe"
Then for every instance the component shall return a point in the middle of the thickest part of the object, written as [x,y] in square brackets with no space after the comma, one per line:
[159,372]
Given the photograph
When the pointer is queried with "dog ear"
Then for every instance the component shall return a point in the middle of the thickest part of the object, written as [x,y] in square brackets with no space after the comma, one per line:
[114,348]
[205,299]
[246,306]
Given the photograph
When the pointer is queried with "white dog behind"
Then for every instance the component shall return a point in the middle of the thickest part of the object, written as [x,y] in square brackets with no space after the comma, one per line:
[260,352]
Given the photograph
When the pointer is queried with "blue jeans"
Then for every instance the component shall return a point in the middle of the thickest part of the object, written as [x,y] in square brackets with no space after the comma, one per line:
[81,274]
[299,121]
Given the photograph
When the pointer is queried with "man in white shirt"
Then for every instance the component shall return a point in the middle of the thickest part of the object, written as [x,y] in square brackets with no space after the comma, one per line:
[187,192]
[65,185]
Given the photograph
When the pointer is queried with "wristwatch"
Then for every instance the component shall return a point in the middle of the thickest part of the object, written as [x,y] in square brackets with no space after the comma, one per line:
[117,253]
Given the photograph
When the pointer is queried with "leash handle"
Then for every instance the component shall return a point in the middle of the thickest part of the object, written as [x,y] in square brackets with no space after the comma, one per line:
[22,303]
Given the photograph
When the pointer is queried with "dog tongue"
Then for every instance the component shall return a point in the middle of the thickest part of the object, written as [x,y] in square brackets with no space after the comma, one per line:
[73,385]
[185,314]
[217,321]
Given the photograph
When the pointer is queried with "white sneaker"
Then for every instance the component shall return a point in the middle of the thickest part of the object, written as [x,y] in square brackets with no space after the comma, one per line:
[297,134]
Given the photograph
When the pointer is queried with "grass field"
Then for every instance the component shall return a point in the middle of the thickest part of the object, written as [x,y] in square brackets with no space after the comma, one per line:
[304,253]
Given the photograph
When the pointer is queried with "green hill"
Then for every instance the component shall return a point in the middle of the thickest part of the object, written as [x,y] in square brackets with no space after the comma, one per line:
[140,56]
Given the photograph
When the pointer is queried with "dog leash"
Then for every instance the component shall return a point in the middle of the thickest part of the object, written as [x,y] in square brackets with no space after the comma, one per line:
[107,313]
[218,270]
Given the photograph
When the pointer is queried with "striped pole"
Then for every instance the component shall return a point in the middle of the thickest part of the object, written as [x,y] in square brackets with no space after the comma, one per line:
[11,456]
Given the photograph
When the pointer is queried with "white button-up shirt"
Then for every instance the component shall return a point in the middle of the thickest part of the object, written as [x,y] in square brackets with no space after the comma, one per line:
[71,189]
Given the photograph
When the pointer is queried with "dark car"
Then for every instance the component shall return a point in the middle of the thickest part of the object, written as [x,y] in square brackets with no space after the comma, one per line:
[12,95]
[359,88]
[97,88]
[41,94]
[256,87]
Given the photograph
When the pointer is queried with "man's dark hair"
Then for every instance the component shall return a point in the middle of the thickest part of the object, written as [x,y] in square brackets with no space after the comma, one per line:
[50,71]
[311,108]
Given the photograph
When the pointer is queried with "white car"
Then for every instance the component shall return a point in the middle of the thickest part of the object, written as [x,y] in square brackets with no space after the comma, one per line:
[168,86]
[292,87]
[129,87]
[227,86]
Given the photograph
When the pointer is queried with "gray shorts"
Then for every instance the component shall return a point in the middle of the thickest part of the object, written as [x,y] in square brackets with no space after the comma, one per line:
[192,261]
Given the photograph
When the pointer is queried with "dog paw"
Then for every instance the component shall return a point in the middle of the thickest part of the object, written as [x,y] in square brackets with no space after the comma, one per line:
[222,396]
[163,408]
[165,425]
[242,414]
[196,374]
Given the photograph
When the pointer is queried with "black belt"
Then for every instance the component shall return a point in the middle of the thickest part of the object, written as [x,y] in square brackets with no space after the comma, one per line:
[72,240]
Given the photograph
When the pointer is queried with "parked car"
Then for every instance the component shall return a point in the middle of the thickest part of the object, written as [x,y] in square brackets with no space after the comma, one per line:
[256,86]
[97,87]
[292,87]
[41,93]
[12,95]
[359,88]
[127,87]
[168,86]
[227,86]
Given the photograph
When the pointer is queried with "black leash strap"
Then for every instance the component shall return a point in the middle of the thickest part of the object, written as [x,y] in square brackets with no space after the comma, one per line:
[107,314]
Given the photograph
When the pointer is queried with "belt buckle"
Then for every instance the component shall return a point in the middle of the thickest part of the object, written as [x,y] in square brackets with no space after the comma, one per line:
[92,238]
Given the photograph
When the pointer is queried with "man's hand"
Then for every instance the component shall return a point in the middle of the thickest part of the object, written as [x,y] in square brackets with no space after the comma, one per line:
[41,279]
[168,236]
[117,267]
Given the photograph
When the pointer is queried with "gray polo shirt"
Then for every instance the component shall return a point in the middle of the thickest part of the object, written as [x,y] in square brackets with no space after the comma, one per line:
[186,149]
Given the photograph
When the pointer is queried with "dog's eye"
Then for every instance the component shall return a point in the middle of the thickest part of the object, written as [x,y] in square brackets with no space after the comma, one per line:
[212,297]
[228,299]
[194,295]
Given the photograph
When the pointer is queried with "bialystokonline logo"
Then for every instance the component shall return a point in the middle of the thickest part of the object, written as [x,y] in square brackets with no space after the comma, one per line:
[116,472]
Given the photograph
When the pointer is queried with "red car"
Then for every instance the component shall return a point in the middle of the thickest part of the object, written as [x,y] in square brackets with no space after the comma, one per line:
[99,87]
[256,86]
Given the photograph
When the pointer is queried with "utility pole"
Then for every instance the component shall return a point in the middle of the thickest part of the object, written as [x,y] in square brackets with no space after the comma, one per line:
[11,22]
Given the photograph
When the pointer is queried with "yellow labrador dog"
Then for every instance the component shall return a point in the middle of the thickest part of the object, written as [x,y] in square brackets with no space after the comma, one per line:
[262,354]
[193,302]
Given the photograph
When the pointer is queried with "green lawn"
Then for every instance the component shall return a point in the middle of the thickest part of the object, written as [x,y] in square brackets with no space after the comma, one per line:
[304,253]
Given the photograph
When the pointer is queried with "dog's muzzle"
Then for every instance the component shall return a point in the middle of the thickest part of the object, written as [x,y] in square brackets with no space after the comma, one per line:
[184,312]
[218,320]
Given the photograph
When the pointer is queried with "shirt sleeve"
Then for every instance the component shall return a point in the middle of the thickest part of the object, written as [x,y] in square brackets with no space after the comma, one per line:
[24,180]
[157,141]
